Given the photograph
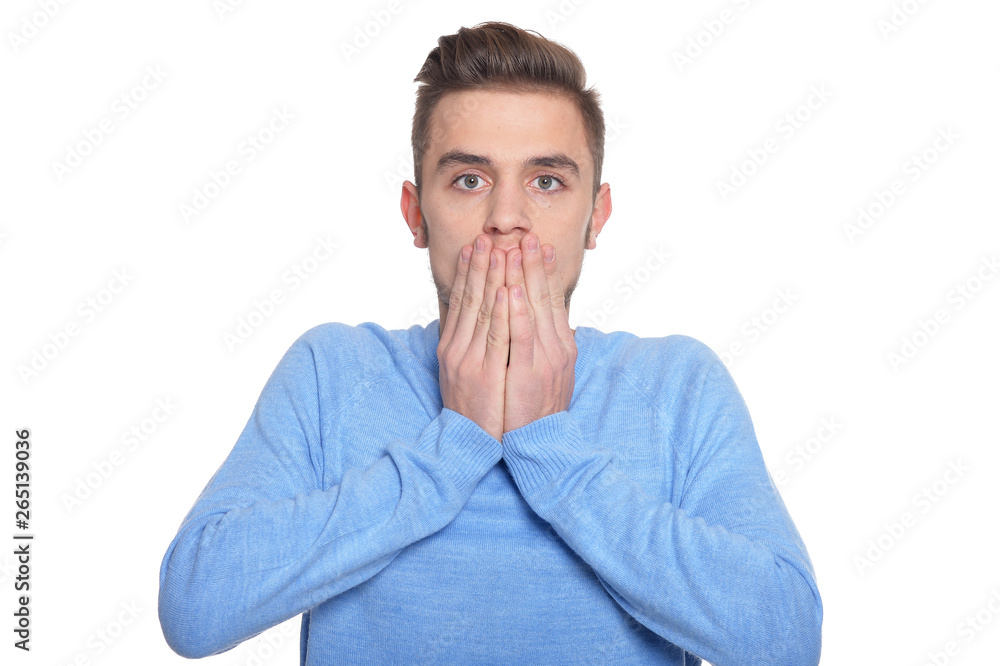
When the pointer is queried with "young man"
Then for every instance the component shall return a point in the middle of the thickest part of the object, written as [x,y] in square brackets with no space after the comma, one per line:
[497,487]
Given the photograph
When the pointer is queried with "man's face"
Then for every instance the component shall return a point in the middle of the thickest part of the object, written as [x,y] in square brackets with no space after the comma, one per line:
[505,164]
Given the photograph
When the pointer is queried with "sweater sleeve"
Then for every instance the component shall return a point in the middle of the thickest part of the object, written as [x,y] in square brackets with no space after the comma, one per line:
[722,573]
[265,541]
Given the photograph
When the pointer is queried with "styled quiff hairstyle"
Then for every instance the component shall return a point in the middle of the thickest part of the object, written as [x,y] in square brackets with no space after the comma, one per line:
[500,56]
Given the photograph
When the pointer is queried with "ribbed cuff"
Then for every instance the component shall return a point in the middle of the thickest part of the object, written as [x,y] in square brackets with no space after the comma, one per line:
[466,451]
[537,453]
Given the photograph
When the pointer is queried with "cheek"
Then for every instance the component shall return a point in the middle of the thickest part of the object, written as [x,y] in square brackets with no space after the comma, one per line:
[455,209]
[568,264]
[444,265]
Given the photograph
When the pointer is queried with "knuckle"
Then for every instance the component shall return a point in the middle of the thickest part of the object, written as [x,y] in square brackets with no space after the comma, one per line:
[495,337]
[450,357]
[485,314]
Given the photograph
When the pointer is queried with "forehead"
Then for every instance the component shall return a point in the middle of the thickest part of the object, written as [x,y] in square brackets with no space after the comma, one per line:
[508,126]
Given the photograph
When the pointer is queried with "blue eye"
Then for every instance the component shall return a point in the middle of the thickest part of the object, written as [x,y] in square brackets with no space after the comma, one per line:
[468,179]
[546,181]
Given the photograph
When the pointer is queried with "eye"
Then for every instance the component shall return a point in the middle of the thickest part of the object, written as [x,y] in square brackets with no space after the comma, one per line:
[468,179]
[546,183]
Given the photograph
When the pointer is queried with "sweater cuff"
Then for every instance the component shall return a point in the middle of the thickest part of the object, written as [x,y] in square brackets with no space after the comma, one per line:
[537,453]
[466,452]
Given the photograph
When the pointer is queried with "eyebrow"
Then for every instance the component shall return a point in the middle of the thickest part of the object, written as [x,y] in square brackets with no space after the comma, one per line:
[557,161]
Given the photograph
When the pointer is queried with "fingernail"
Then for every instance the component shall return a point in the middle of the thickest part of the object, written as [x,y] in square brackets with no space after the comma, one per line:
[549,254]
[517,260]
[466,253]
[533,244]
[517,291]
[480,245]
[493,259]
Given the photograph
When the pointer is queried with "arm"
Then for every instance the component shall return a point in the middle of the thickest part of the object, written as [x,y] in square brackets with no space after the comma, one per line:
[722,573]
[265,541]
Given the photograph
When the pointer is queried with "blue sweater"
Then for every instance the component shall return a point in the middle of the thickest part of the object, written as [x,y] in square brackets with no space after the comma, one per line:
[638,527]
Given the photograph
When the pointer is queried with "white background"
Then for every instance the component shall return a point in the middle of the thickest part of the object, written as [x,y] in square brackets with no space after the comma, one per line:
[676,130]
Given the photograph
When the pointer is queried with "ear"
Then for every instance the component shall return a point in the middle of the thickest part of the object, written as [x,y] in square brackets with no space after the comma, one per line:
[409,205]
[599,216]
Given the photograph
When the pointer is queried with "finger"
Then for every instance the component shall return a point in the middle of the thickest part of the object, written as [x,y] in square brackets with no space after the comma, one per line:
[498,339]
[472,296]
[455,299]
[515,273]
[557,294]
[494,279]
[536,281]
[522,333]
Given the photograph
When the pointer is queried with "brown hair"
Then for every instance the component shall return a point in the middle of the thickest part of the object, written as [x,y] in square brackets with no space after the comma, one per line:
[499,56]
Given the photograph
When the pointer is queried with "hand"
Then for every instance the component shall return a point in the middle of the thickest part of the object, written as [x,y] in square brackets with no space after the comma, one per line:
[542,347]
[472,352]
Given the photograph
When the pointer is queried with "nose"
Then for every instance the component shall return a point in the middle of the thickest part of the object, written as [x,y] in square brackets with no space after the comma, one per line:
[511,212]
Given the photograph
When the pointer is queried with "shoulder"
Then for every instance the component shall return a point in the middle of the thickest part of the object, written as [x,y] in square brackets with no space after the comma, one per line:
[362,351]
[656,362]
[675,373]
[676,351]
[329,367]
[315,354]
[331,337]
